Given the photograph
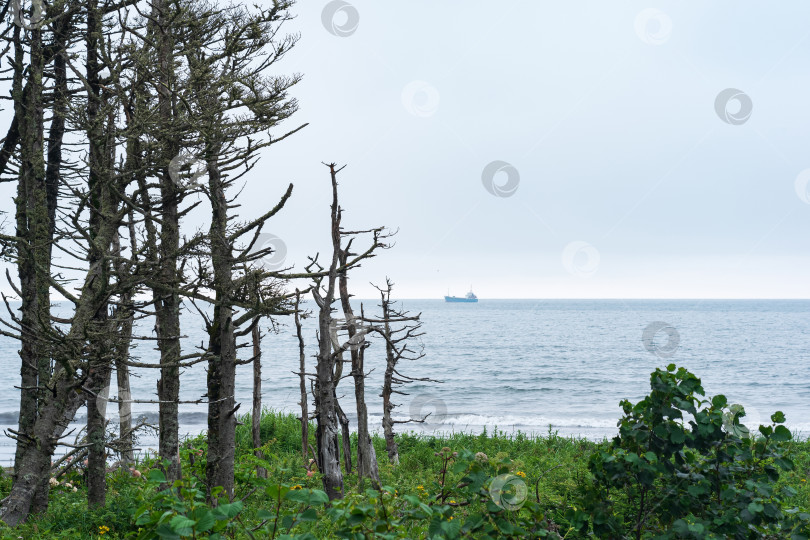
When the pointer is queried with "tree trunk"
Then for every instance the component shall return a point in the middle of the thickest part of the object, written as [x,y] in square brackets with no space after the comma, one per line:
[366,456]
[302,379]
[96,432]
[256,416]
[222,346]
[346,437]
[167,300]
[124,319]
[326,435]
[125,434]
[33,254]
[65,398]
[388,380]
[34,463]
[101,208]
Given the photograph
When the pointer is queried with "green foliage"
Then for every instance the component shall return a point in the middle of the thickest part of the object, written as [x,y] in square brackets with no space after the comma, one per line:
[181,511]
[467,499]
[490,485]
[686,467]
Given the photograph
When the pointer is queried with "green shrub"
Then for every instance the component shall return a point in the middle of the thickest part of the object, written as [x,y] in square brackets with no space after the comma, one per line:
[686,467]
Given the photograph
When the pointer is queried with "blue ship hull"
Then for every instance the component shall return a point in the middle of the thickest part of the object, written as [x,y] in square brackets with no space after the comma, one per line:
[459,299]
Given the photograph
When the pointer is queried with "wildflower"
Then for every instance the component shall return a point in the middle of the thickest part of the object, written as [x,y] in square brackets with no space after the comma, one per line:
[521,474]
[310,473]
[446,449]
[480,456]
[68,485]
[804,479]
[135,473]
[75,489]
[296,486]
[103,529]
[420,487]
[53,482]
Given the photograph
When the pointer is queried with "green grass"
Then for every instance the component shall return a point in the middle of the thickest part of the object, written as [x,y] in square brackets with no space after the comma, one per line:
[559,463]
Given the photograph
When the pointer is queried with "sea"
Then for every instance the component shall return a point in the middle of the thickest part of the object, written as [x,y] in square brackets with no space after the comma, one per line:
[510,366]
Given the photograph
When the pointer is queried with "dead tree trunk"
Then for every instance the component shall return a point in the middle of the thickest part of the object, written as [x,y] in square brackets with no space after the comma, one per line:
[329,368]
[124,319]
[387,389]
[397,347]
[302,374]
[345,436]
[325,400]
[366,456]
[125,435]
[345,430]
[256,416]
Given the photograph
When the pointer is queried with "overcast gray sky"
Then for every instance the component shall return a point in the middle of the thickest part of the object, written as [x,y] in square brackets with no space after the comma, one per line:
[636,174]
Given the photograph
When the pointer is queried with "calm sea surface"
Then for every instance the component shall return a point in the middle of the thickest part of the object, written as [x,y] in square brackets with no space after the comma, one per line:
[525,364]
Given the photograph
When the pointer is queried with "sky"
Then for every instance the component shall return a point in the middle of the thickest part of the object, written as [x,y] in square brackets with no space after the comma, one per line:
[552,149]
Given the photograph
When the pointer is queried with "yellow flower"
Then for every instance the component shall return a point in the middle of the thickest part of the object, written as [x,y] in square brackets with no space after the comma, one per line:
[103,529]
[297,486]
[421,488]
[521,474]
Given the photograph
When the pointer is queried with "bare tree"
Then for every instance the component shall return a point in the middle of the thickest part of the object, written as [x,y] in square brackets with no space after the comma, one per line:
[325,294]
[399,330]
[366,456]
[302,374]
[256,415]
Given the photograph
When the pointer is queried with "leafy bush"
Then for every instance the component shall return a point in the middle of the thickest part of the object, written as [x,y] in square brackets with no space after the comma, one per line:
[181,511]
[686,467]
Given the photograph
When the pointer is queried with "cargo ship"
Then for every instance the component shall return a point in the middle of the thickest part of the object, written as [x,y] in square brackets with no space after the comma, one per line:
[469,297]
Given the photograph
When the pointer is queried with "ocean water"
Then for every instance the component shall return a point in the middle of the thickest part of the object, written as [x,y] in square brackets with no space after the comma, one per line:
[521,365]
